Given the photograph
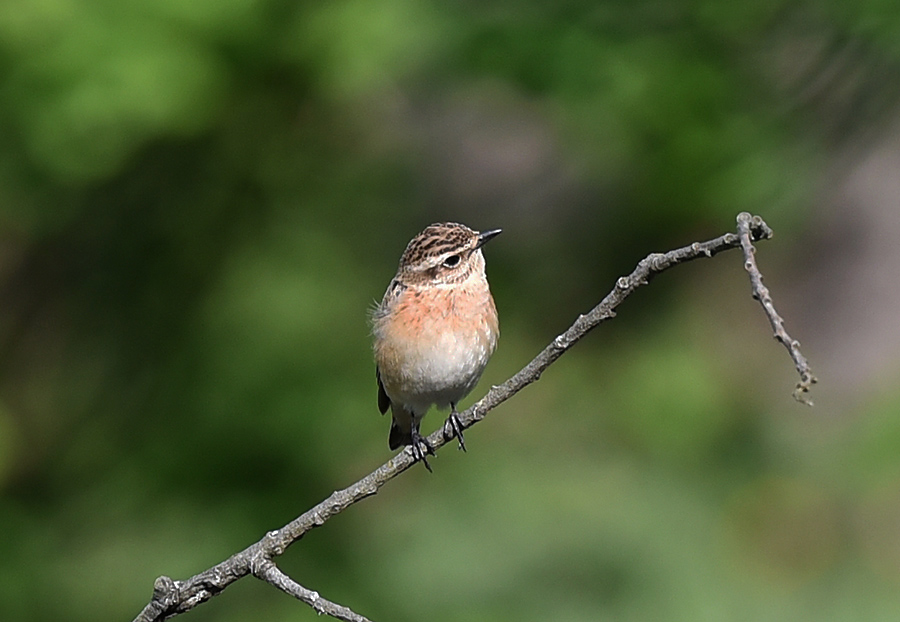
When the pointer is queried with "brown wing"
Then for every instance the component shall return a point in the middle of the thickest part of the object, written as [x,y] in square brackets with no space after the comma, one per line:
[384,402]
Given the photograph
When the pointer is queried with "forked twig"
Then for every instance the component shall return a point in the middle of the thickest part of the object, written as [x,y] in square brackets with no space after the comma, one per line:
[754,227]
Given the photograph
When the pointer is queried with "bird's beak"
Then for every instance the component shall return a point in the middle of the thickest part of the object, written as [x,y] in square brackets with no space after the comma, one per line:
[485,236]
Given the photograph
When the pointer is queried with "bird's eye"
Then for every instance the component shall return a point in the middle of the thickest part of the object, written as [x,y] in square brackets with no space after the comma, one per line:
[452,261]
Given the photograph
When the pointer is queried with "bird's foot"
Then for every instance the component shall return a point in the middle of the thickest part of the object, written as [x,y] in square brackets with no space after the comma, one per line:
[421,448]
[453,428]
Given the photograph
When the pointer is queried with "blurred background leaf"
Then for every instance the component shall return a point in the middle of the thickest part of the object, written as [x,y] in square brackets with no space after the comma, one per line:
[199,202]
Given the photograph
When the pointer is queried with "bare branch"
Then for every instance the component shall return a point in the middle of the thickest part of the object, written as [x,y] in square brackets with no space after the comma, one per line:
[750,228]
[173,597]
[266,570]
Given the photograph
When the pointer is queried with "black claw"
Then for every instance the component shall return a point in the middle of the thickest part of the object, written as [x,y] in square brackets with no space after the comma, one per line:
[420,449]
[453,428]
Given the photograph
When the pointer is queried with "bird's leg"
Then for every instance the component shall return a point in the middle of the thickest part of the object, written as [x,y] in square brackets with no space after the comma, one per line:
[453,427]
[420,447]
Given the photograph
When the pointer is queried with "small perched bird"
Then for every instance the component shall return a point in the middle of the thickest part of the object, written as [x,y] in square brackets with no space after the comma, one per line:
[435,330]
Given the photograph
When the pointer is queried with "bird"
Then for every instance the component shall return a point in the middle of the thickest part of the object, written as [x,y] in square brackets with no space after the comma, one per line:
[434,331]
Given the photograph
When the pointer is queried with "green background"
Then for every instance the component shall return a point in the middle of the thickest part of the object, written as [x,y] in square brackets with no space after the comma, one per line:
[200,202]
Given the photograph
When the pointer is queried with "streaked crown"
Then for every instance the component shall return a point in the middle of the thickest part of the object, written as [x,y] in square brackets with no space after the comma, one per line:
[447,252]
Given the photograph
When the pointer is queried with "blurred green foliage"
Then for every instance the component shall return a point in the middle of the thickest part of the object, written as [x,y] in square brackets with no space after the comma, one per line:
[199,201]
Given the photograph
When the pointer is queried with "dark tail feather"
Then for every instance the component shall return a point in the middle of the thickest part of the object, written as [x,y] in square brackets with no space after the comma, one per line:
[399,437]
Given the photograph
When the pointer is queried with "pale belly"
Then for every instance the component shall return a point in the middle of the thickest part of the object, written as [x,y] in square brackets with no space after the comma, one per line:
[441,373]
[439,369]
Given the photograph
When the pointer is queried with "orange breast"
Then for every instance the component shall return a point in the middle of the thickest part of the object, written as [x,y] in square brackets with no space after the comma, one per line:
[435,342]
